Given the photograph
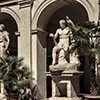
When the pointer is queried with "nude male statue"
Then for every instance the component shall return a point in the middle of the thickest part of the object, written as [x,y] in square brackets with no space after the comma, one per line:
[4,41]
[64,32]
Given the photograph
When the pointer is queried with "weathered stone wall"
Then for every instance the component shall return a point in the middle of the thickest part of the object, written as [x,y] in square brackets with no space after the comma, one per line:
[32,20]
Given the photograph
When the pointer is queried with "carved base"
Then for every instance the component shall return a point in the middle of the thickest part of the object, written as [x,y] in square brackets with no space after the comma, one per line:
[59,68]
[63,98]
[65,86]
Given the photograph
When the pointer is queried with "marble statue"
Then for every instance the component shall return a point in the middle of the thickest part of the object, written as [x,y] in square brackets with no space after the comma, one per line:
[63,45]
[4,41]
[61,49]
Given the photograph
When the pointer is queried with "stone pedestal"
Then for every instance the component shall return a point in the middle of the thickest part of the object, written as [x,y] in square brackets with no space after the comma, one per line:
[65,85]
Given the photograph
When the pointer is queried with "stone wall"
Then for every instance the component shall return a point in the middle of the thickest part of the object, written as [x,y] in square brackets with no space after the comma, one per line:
[33,19]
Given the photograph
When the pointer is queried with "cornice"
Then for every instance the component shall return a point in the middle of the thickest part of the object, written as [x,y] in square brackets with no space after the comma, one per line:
[17,33]
[25,3]
[22,3]
[8,2]
[35,31]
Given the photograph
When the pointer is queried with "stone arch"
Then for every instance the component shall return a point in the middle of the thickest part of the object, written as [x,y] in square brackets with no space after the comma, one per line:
[50,6]
[13,14]
[40,21]
[11,20]
[89,8]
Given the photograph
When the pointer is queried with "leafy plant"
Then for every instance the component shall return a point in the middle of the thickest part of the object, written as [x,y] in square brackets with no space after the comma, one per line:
[87,42]
[15,76]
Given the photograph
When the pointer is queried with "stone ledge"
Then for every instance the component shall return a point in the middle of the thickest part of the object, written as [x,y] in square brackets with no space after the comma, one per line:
[8,2]
[90,97]
[65,73]
[63,67]
[63,98]
[24,3]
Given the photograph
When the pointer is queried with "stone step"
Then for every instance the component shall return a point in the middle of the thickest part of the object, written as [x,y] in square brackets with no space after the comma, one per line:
[90,97]
[63,98]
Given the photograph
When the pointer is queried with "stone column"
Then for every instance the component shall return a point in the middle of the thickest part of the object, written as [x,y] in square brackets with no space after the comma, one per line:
[24,41]
[39,63]
[34,55]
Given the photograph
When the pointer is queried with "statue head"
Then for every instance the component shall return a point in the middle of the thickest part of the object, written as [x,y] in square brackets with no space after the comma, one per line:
[2,27]
[62,23]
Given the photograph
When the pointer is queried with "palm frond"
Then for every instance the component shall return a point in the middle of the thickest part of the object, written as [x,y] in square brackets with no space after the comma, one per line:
[83,34]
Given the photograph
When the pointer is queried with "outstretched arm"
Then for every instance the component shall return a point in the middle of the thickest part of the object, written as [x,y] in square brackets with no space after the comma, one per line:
[69,21]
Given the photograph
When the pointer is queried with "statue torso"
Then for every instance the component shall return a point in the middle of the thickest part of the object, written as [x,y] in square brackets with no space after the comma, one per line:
[64,34]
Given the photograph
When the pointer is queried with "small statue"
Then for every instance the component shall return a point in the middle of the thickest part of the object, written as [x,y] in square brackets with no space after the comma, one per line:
[4,41]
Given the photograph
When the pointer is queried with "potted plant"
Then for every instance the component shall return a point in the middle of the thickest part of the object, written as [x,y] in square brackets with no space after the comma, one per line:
[87,42]
[15,77]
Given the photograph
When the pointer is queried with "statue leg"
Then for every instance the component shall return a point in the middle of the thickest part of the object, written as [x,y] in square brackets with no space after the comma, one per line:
[54,54]
[1,49]
[63,52]
[62,59]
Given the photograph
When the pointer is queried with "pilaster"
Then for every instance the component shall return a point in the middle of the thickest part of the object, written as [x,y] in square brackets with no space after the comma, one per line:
[39,57]
[24,41]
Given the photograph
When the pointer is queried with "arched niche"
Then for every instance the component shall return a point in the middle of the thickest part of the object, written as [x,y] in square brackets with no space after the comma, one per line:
[48,7]
[12,28]
[76,12]
[45,20]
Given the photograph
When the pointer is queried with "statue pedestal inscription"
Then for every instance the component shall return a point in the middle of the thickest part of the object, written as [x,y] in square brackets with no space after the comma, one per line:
[65,85]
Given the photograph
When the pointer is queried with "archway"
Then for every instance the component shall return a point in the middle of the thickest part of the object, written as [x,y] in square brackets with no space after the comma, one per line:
[76,13]
[46,19]
[48,7]
[11,27]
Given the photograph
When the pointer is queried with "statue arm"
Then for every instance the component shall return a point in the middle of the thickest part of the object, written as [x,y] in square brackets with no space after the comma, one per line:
[54,37]
[69,21]
[56,34]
